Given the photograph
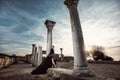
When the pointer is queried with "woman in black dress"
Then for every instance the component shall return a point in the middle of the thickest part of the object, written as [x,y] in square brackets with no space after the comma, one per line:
[48,62]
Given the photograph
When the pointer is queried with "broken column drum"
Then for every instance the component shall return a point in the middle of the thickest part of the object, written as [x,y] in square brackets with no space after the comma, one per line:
[39,55]
[35,57]
[33,53]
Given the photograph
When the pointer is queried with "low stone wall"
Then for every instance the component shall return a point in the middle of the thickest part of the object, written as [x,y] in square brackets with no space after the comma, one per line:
[66,74]
[6,61]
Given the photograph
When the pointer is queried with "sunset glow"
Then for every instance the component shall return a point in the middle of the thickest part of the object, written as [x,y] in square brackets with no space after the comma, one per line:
[22,24]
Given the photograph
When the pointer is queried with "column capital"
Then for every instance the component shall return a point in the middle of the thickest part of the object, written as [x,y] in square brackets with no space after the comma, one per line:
[61,49]
[49,24]
[33,45]
[69,3]
[39,47]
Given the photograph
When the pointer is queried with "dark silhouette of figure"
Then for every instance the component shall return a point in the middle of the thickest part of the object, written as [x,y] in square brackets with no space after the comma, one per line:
[54,60]
[52,50]
[48,62]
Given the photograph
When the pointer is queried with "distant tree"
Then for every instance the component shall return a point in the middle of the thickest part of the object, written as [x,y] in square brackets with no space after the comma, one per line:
[98,54]
[15,58]
[107,58]
[14,55]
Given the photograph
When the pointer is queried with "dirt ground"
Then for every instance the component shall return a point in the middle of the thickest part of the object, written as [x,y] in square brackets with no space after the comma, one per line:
[22,71]
[100,69]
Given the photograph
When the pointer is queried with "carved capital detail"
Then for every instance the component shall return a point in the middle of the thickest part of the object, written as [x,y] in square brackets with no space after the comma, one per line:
[69,3]
[33,45]
[49,24]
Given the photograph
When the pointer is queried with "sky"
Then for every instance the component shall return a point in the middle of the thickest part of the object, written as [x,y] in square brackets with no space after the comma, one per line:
[22,24]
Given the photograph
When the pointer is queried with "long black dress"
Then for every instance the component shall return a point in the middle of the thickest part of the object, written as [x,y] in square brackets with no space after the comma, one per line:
[42,69]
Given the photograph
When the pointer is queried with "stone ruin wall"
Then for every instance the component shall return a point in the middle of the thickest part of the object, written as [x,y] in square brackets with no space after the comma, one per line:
[6,60]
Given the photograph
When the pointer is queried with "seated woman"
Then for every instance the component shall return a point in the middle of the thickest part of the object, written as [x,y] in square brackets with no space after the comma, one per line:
[46,63]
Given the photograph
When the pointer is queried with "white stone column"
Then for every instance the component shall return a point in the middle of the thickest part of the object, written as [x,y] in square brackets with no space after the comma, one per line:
[61,50]
[35,57]
[49,25]
[39,55]
[81,67]
[62,56]
[33,53]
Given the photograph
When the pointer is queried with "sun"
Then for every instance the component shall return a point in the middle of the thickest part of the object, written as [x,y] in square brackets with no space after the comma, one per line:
[88,48]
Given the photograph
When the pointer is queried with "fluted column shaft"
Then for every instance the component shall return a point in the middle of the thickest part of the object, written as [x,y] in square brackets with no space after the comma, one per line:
[35,57]
[49,25]
[77,36]
[39,55]
[33,53]
[81,67]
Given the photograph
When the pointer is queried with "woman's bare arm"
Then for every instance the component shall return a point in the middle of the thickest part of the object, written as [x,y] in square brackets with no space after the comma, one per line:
[53,62]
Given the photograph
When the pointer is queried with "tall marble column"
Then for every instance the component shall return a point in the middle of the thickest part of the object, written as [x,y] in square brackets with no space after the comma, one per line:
[62,56]
[39,55]
[49,25]
[33,53]
[81,67]
[61,50]
[35,57]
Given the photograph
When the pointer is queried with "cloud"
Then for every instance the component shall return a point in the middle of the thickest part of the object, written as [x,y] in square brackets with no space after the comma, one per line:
[100,22]
[22,24]
[23,30]
[98,19]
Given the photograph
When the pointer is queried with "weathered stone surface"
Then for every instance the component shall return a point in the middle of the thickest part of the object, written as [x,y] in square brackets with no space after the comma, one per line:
[39,59]
[33,54]
[55,72]
[66,74]
[6,61]
[81,66]
[83,71]
[71,77]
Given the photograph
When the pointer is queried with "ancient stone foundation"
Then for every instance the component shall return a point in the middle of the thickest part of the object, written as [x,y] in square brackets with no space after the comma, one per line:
[66,74]
[6,60]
